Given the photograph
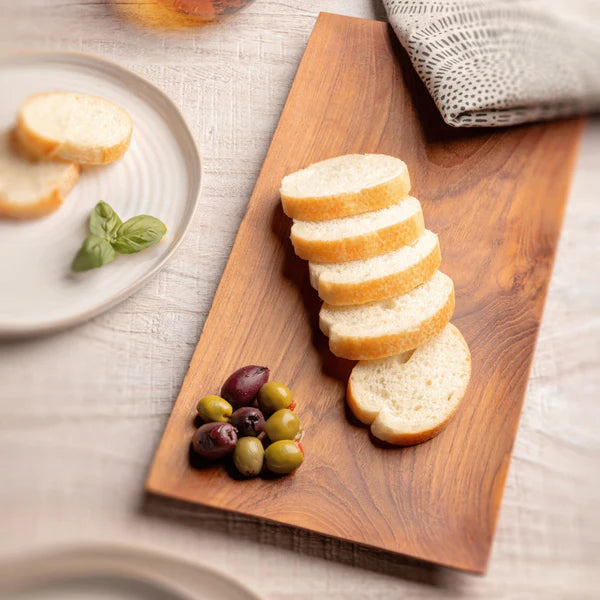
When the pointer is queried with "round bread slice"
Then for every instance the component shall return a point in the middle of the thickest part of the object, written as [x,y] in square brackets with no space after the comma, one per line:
[386,327]
[378,277]
[30,188]
[360,236]
[344,186]
[410,397]
[77,127]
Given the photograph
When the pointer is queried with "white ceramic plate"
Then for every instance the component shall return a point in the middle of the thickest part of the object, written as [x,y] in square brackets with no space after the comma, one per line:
[159,175]
[115,574]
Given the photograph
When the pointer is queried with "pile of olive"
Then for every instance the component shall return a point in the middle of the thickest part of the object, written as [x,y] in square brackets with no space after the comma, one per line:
[235,424]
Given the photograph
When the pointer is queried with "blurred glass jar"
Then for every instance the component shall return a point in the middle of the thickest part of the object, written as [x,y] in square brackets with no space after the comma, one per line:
[209,10]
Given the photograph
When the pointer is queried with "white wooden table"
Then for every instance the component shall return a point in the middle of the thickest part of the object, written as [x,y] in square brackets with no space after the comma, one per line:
[81,412]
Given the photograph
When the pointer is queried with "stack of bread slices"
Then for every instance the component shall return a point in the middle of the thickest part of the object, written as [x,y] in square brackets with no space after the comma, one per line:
[56,133]
[386,304]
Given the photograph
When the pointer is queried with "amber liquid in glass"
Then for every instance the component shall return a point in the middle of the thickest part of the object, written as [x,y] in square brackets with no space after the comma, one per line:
[210,9]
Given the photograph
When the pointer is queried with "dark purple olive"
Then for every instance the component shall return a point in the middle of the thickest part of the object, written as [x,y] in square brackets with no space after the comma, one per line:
[214,440]
[242,386]
[249,421]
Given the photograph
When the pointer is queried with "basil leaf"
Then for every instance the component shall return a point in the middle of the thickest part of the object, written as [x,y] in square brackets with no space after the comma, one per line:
[138,233]
[104,221]
[94,252]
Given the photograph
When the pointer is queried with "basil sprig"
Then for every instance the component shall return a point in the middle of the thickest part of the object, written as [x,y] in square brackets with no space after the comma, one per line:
[138,233]
[108,234]
[94,253]
[104,222]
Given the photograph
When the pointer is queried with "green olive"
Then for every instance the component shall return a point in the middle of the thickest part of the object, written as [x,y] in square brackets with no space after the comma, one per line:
[283,456]
[274,396]
[248,456]
[282,425]
[214,409]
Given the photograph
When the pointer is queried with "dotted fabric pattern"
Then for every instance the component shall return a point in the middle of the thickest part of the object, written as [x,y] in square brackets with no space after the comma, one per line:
[501,62]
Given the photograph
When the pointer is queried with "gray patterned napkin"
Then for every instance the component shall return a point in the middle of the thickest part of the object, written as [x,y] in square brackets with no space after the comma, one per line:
[502,62]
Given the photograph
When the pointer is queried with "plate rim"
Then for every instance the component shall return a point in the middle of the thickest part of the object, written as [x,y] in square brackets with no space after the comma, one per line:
[8,332]
[41,559]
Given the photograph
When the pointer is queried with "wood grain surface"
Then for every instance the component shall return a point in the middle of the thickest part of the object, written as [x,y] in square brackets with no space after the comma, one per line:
[496,199]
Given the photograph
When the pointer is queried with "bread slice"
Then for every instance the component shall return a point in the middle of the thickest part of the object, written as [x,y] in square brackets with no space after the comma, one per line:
[408,398]
[30,188]
[360,236]
[386,327]
[77,127]
[378,277]
[344,186]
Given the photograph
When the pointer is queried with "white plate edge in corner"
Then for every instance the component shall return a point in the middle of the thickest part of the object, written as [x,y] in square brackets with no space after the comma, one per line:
[114,560]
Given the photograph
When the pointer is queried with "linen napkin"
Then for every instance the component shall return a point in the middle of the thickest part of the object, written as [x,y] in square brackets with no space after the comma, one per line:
[503,62]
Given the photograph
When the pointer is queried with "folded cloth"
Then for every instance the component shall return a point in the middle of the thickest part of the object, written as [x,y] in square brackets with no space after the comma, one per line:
[502,62]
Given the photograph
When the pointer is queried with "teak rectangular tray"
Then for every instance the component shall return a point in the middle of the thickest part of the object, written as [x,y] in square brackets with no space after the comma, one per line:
[496,199]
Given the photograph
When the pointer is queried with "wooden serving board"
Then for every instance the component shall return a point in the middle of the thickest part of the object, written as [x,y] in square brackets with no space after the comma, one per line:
[496,199]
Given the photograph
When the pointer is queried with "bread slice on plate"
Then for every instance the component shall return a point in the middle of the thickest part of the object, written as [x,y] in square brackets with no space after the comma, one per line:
[378,277]
[360,236]
[344,186]
[81,128]
[31,188]
[386,327]
[408,398]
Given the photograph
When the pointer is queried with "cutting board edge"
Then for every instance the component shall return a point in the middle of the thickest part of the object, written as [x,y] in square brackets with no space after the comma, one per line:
[475,567]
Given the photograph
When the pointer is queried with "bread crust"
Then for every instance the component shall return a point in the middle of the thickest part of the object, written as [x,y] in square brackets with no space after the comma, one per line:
[363,246]
[364,417]
[408,439]
[47,203]
[347,204]
[39,146]
[393,284]
[370,348]
[411,439]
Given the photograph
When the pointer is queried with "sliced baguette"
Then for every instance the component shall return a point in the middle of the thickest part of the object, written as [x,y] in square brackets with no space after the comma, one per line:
[408,398]
[344,186]
[378,277]
[29,188]
[360,236]
[76,127]
[386,327]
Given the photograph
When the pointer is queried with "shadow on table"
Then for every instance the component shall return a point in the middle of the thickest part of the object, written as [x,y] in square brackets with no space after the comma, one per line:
[300,541]
[379,13]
